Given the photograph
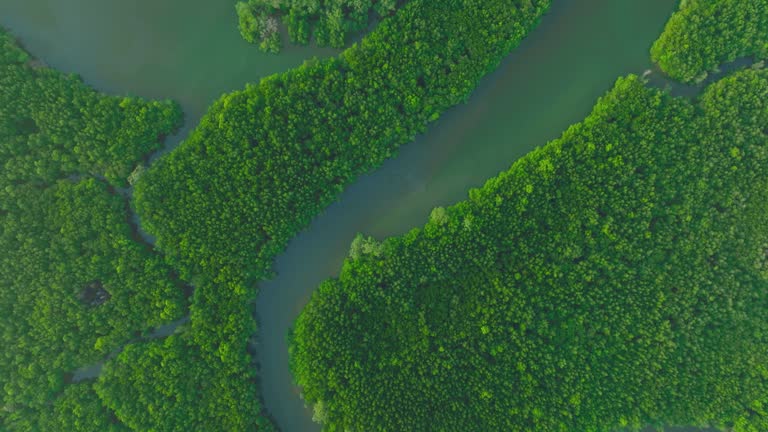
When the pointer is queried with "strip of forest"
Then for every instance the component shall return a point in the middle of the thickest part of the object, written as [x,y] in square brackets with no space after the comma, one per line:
[265,160]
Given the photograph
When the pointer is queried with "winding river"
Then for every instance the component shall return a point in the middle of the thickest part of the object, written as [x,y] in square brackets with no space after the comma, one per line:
[190,51]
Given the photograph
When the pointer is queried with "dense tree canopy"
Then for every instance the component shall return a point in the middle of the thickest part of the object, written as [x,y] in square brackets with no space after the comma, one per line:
[616,277]
[171,385]
[704,34]
[10,52]
[331,22]
[52,125]
[264,161]
[79,409]
[201,379]
[75,284]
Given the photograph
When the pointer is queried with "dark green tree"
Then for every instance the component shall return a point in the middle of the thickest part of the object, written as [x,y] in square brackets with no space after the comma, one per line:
[705,34]
[332,22]
[75,281]
[616,277]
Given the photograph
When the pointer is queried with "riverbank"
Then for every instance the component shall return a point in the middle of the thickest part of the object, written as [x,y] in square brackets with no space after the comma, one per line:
[549,83]
[527,102]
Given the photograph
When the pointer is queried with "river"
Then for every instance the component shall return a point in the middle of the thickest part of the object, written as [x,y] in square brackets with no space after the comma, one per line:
[190,51]
[186,50]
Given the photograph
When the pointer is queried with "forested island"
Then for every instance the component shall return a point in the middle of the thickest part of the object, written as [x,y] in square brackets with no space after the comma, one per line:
[612,279]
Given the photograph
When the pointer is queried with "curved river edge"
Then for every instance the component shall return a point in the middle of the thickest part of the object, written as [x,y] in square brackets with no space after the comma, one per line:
[428,173]
[436,171]
[654,77]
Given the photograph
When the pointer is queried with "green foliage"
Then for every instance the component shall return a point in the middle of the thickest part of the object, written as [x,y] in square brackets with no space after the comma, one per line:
[74,282]
[203,379]
[704,34]
[248,24]
[170,386]
[330,21]
[10,52]
[75,287]
[79,409]
[257,26]
[52,125]
[263,161]
[616,277]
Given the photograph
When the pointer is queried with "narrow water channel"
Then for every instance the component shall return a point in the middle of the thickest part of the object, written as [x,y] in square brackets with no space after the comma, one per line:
[550,82]
[186,50]
[190,51]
